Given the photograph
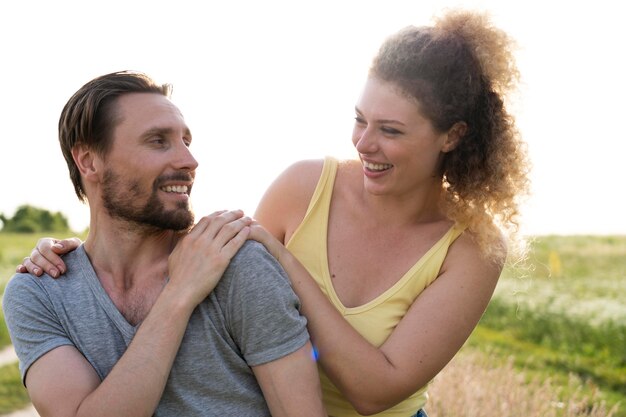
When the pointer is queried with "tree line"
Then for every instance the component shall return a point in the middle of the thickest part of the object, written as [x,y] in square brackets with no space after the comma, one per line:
[29,219]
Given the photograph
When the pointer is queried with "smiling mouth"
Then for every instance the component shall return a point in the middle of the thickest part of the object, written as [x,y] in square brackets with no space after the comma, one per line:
[176,189]
[376,167]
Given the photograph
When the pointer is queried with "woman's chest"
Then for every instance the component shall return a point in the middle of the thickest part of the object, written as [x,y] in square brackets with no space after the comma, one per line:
[363,263]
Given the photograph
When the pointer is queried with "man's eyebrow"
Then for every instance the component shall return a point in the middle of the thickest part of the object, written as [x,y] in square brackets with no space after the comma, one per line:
[163,131]
[157,131]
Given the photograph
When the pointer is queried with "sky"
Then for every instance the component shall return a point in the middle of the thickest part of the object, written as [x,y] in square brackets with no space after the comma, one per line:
[263,84]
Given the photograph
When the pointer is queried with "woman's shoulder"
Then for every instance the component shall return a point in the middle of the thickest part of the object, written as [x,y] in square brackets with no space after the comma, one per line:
[303,175]
[314,166]
[284,203]
[298,180]
[307,163]
[466,253]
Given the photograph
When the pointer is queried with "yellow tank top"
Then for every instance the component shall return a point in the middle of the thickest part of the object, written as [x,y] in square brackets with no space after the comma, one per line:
[375,320]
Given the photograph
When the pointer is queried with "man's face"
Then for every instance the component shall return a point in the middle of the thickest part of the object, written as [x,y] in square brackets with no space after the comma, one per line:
[149,169]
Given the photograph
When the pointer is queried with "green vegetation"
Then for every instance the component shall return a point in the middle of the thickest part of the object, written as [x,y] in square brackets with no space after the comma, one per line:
[4,332]
[13,395]
[562,314]
[29,219]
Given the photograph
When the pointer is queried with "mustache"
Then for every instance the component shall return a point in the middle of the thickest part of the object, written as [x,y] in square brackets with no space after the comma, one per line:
[177,176]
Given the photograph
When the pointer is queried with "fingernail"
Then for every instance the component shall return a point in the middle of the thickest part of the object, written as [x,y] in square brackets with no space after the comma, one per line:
[54,273]
[36,271]
[58,245]
[61,269]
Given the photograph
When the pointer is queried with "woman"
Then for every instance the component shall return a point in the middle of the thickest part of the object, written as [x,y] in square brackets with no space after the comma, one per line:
[395,255]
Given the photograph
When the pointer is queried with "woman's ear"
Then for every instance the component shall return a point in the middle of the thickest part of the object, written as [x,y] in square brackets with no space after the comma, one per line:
[454,136]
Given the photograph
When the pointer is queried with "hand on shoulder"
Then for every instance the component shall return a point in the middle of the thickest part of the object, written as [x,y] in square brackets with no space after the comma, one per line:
[46,256]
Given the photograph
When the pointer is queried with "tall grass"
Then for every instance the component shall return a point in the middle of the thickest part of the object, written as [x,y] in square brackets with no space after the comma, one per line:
[563,312]
[596,351]
[476,384]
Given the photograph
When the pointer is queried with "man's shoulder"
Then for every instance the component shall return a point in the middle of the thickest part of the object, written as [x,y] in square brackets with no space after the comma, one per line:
[77,257]
[21,283]
[251,249]
[24,286]
[253,265]
[253,256]
[24,295]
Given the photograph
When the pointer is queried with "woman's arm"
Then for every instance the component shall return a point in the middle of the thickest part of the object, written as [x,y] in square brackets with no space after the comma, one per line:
[373,378]
[426,339]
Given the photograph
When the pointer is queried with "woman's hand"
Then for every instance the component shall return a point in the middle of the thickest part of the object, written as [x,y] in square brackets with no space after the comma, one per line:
[200,258]
[261,235]
[45,257]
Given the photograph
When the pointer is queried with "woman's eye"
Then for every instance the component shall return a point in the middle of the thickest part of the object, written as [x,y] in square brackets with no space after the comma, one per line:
[390,130]
[359,120]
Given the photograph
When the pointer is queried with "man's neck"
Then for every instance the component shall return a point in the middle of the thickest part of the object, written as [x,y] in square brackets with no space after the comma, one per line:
[131,266]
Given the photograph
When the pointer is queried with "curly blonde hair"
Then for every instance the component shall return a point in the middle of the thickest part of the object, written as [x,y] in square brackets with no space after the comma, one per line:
[461,69]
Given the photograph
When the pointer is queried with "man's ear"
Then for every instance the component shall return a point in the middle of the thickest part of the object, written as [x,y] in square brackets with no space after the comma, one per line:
[86,160]
[454,136]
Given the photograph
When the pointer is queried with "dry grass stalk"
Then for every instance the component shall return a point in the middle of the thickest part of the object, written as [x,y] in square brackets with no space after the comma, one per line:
[476,385]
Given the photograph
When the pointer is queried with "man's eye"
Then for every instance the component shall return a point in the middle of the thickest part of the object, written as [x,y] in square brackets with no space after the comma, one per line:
[359,120]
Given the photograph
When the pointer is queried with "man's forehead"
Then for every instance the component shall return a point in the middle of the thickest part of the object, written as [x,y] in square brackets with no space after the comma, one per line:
[149,109]
[145,101]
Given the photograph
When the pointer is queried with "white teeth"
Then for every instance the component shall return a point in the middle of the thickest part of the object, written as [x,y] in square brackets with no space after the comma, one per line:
[181,189]
[376,167]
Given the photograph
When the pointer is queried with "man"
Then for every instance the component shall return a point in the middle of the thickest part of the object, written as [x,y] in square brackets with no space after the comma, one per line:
[140,324]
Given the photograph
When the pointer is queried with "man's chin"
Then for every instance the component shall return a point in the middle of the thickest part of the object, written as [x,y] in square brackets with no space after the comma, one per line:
[179,220]
[183,228]
[180,223]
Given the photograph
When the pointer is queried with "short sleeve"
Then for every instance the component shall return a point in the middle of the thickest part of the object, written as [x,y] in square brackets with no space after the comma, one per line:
[33,325]
[262,311]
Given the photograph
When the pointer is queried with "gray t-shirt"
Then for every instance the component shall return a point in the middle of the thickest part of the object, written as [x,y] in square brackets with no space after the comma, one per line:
[251,317]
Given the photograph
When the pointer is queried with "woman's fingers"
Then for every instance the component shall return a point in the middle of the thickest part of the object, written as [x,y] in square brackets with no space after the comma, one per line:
[201,257]
[217,219]
[45,257]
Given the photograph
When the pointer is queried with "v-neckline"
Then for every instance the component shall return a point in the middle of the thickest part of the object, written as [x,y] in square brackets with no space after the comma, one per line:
[105,301]
[332,293]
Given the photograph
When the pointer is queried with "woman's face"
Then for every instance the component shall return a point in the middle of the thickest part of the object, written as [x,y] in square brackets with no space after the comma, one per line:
[399,148]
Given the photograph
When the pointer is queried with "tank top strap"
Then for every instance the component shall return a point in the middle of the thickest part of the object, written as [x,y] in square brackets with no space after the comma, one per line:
[324,189]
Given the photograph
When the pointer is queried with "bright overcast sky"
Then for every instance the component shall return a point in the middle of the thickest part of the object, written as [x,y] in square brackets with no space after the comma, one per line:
[265,83]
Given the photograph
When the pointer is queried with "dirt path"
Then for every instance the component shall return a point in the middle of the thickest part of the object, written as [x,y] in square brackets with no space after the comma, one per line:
[7,355]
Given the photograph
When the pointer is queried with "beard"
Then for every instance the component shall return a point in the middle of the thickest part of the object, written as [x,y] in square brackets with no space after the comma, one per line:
[121,201]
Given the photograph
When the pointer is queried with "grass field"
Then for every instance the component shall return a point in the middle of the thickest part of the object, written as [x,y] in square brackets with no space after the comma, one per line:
[552,342]
[561,315]
[476,384]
